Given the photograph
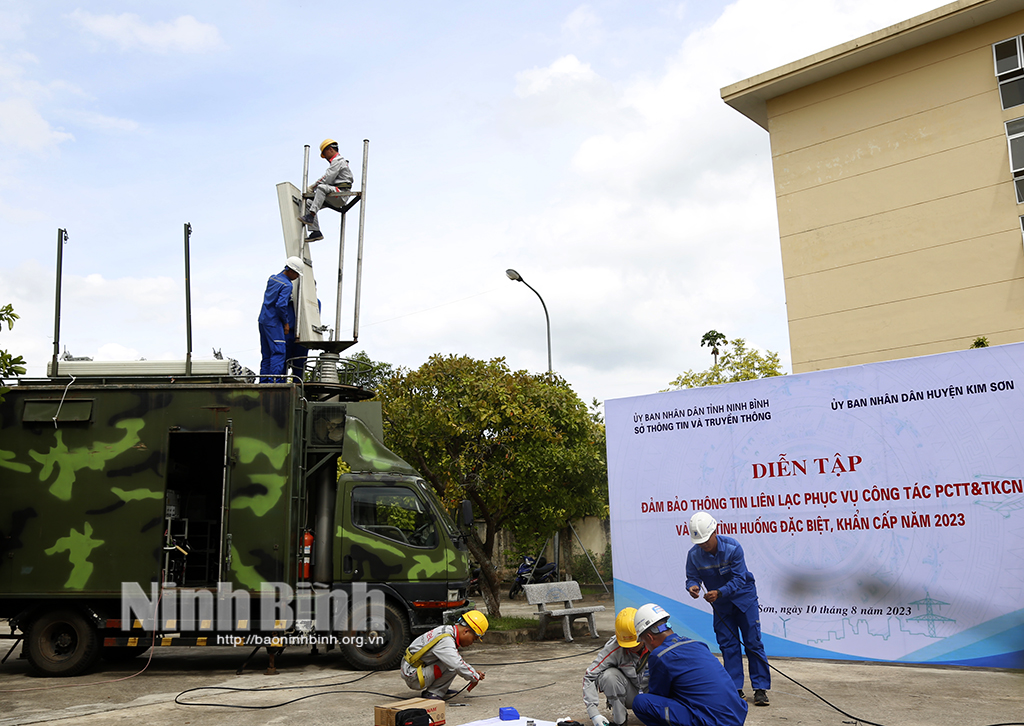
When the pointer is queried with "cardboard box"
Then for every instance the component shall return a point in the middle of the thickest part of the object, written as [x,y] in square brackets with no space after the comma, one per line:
[385,715]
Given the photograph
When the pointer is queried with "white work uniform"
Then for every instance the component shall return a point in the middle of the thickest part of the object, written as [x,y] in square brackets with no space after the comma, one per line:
[614,673]
[333,185]
[439,665]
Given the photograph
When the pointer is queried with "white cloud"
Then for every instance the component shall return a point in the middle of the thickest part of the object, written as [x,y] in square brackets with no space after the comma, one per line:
[582,22]
[564,72]
[105,123]
[185,34]
[23,127]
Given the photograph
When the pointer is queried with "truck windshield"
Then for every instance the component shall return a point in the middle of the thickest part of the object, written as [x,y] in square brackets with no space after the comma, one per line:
[442,514]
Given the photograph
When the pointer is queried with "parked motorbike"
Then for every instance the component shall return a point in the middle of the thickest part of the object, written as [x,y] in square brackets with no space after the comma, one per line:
[527,574]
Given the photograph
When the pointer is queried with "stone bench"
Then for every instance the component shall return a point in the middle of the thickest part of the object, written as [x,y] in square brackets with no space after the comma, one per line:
[560,593]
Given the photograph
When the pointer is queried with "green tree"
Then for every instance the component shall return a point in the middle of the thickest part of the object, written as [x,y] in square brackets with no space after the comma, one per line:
[358,369]
[714,339]
[10,365]
[738,364]
[522,447]
[980,342]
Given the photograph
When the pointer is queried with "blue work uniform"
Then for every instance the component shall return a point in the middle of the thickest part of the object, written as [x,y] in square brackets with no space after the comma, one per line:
[276,312]
[735,611]
[688,687]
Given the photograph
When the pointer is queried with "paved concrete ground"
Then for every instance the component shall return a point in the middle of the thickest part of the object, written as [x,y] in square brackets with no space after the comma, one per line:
[540,679]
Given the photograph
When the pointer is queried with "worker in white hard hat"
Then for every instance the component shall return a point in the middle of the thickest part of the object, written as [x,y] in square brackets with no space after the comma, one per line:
[619,672]
[717,563]
[687,686]
[433,660]
[333,186]
[277,321]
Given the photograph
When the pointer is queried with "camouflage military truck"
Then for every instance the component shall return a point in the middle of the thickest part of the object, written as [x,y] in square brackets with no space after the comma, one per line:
[217,490]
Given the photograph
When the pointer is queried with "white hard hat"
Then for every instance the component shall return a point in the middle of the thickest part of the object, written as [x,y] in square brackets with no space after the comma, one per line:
[702,526]
[294,264]
[650,616]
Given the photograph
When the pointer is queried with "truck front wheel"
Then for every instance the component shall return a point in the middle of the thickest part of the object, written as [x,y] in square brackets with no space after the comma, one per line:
[62,643]
[379,650]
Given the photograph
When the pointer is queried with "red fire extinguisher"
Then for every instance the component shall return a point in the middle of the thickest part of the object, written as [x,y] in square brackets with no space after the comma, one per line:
[307,552]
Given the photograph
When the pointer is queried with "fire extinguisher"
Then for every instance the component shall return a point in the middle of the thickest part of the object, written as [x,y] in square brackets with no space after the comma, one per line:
[307,551]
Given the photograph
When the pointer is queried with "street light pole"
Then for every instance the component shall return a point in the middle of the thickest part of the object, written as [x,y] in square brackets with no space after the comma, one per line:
[513,275]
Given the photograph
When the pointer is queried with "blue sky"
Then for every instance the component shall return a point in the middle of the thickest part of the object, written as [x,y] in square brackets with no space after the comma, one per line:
[583,144]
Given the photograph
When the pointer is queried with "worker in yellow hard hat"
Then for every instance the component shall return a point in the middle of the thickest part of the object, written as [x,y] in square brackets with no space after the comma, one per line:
[619,672]
[334,186]
[432,660]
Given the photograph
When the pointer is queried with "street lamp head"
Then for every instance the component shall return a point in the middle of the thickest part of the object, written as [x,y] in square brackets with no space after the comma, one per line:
[513,275]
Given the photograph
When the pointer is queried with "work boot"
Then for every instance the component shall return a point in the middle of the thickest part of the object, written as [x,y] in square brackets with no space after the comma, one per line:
[314,236]
[307,218]
[760,697]
[742,694]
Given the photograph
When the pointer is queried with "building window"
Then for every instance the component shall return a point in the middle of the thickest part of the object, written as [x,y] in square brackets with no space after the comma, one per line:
[1007,56]
[1022,229]
[1015,138]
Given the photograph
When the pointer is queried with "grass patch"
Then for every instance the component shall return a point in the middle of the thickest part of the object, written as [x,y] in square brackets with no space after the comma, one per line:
[511,623]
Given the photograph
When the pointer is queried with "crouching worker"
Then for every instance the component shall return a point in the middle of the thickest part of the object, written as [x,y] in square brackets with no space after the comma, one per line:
[618,671]
[687,685]
[432,660]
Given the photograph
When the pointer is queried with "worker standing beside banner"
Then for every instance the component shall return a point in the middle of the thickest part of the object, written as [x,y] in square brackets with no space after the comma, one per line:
[718,563]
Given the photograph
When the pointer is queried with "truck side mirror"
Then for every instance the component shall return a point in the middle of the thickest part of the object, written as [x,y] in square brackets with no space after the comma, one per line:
[466,513]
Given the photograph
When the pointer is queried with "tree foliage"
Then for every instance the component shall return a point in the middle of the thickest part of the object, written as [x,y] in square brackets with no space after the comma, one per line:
[980,342]
[359,370]
[10,365]
[738,363]
[522,447]
[714,339]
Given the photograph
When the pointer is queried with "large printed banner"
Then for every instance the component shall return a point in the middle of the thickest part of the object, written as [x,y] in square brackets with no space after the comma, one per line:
[880,507]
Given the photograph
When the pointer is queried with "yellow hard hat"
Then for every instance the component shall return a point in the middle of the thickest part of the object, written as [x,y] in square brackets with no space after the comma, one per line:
[625,631]
[326,143]
[476,621]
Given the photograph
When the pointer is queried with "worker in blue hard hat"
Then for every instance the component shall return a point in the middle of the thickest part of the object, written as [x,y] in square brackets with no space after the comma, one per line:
[332,186]
[432,660]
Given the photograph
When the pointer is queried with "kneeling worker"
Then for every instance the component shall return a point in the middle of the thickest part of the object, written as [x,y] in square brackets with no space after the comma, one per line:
[687,685]
[432,660]
[618,671]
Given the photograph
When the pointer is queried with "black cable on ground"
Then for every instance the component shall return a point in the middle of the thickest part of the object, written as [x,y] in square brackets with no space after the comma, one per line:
[819,697]
[356,680]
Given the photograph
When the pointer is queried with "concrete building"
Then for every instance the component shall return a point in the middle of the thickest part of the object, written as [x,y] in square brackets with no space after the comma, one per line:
[899,176]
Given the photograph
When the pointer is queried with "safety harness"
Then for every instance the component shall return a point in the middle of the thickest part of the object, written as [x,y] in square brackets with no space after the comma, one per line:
[416,659]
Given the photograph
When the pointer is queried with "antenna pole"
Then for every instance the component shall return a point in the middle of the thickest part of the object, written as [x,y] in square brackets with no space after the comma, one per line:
[359,256]
[188,306]
[62,237]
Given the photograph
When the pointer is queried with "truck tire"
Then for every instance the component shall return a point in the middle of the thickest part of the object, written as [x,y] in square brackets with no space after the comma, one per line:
[373,656]
[61,643]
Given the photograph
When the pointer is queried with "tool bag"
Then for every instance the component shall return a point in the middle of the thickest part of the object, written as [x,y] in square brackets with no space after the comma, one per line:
[412,717]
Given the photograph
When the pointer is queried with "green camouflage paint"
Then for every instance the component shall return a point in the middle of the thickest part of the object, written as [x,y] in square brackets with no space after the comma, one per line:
[260,504]
[95,457]
[78,545]
[135,494]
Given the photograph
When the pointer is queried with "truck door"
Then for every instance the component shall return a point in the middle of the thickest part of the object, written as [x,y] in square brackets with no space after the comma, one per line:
[390,535]
[195,506]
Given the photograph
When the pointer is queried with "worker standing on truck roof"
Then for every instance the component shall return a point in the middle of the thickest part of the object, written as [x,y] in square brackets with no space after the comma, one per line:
[432,660]
[277,321]
[718,563]
[619,672]
[331,186]
[687,685]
